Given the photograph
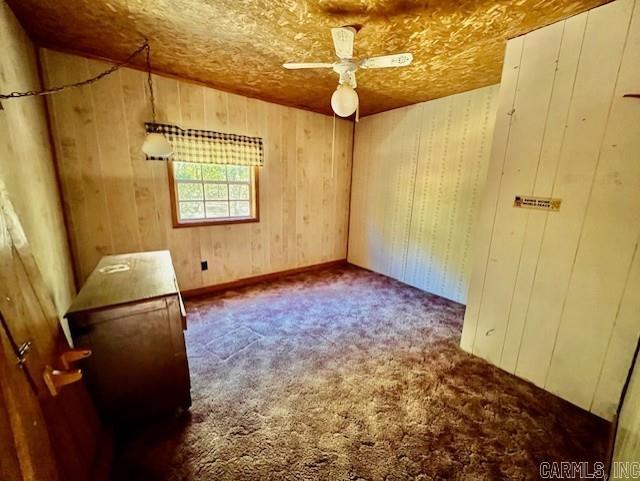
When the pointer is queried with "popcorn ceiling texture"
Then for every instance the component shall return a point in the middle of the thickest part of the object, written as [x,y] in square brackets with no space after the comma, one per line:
[348,375]
[240,46]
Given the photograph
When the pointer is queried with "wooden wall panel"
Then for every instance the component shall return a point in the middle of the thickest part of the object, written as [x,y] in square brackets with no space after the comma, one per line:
[418,173]
[26,161]
[546,300]
[489,198]
[611,218]
[533,92]
[550,145]
[117,202]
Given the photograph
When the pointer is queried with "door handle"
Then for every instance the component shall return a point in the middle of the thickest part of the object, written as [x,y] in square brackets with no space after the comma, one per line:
[56,380]
[73,355]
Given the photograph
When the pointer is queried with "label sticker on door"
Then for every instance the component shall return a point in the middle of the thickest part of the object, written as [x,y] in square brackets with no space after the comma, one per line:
[538,203]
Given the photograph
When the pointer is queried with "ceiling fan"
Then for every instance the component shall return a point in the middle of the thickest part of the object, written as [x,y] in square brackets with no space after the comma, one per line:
[344,100]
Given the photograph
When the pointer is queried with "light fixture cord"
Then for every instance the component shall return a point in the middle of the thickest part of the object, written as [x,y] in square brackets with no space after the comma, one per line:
[150,82]
[109,71]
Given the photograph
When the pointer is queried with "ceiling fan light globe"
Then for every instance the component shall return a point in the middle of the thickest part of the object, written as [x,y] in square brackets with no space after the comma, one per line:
[344,100]
[157,145]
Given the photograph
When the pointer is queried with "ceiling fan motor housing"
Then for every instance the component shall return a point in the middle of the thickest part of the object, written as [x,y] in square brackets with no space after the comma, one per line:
[346,68]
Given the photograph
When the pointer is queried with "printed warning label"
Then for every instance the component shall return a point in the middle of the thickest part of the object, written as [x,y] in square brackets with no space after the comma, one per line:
[539,203]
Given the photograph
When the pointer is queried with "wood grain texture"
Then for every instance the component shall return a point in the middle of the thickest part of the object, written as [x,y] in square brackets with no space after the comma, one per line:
[240,46]
[118,203]
[138,312]
[26,162]
[124,278]
[549,296]
[417,178]
[29,315]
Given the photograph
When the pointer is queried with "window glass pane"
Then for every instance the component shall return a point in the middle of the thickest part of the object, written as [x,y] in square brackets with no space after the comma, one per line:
[240,209]
[214,172]
[186,171]
[217,209]
[238,173]
[204,192]
[238,192]
[189,191]
[215,192]
[191,210]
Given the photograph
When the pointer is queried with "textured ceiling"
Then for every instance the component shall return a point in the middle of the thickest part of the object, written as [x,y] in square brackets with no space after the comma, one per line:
[240,45]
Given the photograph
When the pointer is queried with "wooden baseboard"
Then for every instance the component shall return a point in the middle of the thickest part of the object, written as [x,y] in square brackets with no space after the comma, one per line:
[247,281]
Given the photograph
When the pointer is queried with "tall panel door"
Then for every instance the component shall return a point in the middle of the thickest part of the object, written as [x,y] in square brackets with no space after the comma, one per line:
[26,453]
[54,437]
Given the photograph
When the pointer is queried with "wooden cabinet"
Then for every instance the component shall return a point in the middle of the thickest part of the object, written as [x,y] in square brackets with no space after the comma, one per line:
[130,314]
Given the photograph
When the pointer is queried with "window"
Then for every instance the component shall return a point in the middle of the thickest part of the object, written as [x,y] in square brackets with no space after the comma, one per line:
[205,194]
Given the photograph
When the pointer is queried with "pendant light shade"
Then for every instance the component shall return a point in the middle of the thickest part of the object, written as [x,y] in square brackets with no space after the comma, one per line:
[157,145]
[344,100]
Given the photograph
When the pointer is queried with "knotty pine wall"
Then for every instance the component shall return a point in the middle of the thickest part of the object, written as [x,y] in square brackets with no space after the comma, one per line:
[554,296]
[26,163]
[117,202]
[417,178]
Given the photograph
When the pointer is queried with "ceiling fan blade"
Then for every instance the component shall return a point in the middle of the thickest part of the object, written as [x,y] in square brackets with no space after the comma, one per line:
[343,38]
[293,66]
[384,61]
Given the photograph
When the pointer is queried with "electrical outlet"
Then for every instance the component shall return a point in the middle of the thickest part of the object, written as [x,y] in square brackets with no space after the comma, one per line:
[204,265]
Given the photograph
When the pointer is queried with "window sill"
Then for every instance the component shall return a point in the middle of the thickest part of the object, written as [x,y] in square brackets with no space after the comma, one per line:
[207,223]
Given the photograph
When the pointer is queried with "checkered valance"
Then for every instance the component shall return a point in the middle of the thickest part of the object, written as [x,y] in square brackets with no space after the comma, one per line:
[206,146]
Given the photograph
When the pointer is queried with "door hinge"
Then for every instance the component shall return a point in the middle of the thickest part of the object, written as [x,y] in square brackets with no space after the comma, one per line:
[23,351]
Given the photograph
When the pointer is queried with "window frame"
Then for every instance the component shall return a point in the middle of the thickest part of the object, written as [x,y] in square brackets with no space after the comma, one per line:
[175,215]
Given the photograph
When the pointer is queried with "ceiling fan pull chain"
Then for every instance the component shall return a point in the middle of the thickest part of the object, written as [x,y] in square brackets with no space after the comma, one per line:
[333,144]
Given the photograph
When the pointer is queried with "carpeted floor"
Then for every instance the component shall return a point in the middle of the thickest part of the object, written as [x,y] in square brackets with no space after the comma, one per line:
[348,375]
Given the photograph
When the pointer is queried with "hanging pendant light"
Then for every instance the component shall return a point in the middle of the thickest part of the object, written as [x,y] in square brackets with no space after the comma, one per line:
[156,144]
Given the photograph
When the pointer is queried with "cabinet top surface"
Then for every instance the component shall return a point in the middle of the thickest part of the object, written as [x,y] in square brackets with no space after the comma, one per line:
[124,278]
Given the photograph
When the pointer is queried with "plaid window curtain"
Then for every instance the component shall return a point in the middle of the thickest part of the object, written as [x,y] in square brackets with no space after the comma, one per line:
[205,146]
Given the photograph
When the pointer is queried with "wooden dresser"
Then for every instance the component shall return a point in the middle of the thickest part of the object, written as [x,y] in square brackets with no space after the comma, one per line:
[130,314]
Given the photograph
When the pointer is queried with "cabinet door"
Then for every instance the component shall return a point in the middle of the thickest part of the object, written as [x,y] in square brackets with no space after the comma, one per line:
[32,332]
[153,377]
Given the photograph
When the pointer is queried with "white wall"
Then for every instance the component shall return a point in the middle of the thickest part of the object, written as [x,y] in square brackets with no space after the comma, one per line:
[554,296]
[417,177]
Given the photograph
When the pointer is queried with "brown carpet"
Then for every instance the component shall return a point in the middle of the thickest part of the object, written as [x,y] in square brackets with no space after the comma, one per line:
[348,375]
